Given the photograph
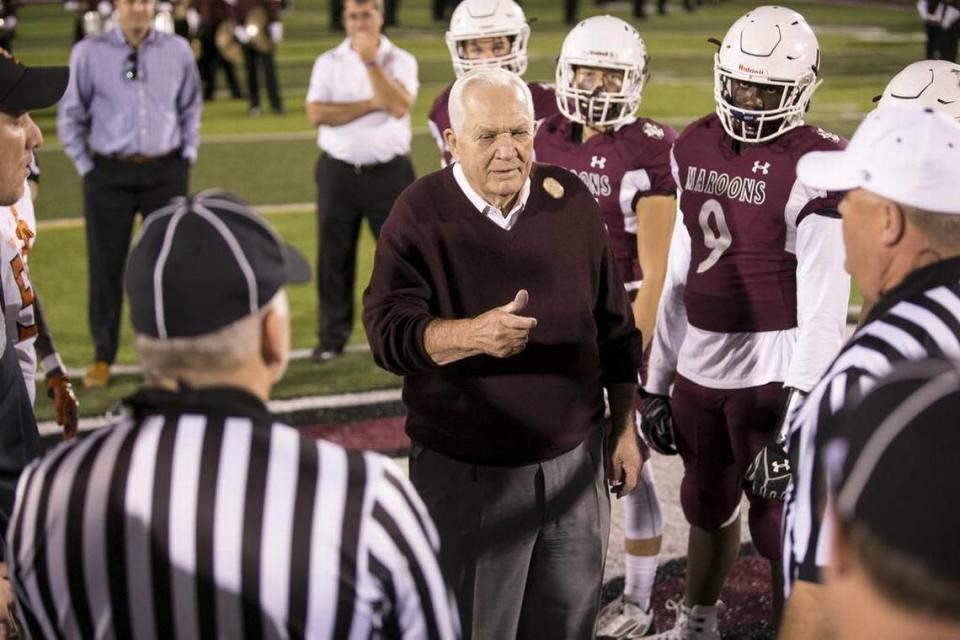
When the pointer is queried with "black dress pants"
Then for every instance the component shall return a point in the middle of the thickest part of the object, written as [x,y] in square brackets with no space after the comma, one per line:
[946,44]
[252,58]
[6,40]
[345,195]
[941,43]
[211,60]
[113,193]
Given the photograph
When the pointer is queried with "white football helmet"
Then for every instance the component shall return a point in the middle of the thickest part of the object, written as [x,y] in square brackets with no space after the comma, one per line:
[769,46]
[928,84]
[475,19]
[609,43]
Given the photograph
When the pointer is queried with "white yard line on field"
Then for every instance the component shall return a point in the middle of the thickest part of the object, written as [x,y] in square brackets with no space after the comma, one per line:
[264,210]
[341,400]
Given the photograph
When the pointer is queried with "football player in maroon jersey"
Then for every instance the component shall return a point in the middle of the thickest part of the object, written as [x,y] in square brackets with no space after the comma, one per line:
[754,301]
[487,33]
[625,162]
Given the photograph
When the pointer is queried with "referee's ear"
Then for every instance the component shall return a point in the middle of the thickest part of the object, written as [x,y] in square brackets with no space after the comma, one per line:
[275,336]
[893,222]
[842,554]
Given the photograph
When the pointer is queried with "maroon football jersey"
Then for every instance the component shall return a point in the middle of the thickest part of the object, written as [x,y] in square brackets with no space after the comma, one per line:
[741,208]
[544,105]
[619,167]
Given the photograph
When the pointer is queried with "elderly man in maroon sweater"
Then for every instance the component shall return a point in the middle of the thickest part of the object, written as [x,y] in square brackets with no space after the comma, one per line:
[495,294]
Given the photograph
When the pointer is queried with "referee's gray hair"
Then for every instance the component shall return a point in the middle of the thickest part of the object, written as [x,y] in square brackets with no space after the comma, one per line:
[942,229]
[494,77]
[205,356]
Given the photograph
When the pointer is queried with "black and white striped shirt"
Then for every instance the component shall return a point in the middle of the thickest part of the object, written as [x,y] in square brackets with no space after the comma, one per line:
[201,517]
[918,319]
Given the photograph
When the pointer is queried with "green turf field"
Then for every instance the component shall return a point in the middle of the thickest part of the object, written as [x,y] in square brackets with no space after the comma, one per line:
[269,160]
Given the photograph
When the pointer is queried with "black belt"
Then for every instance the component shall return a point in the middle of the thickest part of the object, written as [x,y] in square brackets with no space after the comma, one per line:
[359,167]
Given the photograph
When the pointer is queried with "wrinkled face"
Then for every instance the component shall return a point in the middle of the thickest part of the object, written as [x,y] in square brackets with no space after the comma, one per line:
[485,48]
[598,79]
[361,17]
[495,146]
[134,17]
[862,228]
[19,136]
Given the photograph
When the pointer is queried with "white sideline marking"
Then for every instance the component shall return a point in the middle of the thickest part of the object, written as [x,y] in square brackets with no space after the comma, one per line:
[50,428]
[133,369]
[264,210]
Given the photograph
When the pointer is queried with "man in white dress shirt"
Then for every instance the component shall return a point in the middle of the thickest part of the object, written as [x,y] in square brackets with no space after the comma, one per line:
[360,97]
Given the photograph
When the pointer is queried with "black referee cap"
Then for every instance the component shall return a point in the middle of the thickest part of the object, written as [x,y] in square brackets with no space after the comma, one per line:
[203,262]
[25,88]
[891,461]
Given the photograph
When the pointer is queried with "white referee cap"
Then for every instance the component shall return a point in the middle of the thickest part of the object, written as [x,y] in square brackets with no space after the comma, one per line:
[911,156]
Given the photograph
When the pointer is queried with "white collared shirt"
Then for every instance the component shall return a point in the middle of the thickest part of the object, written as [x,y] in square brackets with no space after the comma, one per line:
[339,75]
[492,213]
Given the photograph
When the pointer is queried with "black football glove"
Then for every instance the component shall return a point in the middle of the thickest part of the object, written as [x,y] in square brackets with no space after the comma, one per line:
[770,472]
[656,424]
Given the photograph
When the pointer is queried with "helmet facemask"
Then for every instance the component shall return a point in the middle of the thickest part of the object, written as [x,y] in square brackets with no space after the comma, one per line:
[761,125]
[598,107]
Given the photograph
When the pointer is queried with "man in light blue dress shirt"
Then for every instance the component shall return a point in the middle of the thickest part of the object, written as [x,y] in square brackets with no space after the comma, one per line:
[130,122]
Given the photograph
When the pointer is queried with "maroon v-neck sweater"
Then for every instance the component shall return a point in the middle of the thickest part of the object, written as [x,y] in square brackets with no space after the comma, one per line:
[438,257]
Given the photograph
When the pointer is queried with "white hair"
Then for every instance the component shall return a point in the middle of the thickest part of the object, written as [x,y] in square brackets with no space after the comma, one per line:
[219,352]
[493,77]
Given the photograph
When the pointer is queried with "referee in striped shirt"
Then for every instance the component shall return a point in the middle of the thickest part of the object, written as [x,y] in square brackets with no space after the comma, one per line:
[198,516]
[901,229]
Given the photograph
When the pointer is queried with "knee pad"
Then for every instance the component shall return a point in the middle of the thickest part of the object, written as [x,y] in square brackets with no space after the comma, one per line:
[709,509]
[765,517]
[643,519]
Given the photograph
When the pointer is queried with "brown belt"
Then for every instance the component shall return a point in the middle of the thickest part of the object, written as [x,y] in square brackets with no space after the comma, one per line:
[139,158]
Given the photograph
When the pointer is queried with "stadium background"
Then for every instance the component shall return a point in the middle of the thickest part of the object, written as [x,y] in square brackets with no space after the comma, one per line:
[269,160]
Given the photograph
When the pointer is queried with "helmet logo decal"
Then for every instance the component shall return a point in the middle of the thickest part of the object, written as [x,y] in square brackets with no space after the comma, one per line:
[747,69]
[653,131]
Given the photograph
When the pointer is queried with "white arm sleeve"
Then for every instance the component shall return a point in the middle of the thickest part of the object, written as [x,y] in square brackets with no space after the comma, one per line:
[823,293]
[671,326]
[950,17]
